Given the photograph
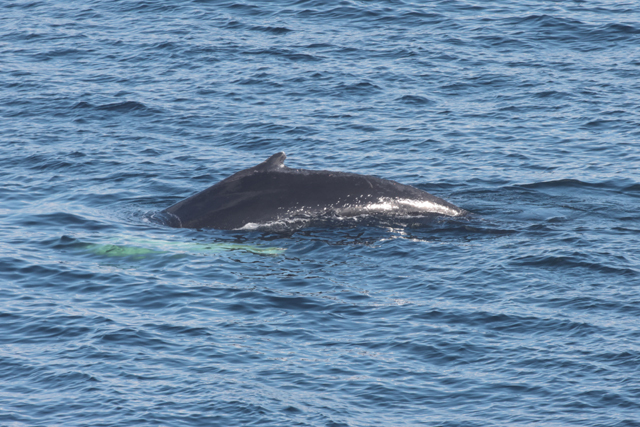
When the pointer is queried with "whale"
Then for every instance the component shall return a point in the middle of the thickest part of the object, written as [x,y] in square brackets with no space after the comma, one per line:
[271,192]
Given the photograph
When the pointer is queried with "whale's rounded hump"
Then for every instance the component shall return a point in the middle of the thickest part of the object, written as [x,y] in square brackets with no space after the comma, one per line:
[270,192]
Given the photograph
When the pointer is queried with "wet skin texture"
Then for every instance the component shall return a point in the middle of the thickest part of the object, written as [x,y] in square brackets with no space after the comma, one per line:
[271,192]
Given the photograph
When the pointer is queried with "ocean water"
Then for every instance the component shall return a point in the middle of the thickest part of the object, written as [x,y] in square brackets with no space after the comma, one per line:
[526,113]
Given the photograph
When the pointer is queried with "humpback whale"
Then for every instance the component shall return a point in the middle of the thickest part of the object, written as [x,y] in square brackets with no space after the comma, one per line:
[271,192]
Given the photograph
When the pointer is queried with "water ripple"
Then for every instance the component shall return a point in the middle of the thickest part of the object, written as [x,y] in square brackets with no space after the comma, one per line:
[524,313]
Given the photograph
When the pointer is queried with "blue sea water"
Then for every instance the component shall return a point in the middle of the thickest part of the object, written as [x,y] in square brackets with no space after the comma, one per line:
[526,113]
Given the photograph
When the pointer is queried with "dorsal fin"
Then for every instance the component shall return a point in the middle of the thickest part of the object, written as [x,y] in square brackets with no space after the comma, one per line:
[274,162]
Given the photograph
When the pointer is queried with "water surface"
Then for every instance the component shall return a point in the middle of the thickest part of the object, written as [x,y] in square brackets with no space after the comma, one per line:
[524,113]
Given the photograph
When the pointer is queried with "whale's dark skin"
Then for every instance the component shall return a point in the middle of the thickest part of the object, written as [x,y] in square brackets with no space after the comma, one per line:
[271,191]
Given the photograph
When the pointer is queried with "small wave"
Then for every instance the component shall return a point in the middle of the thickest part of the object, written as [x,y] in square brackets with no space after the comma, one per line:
[362,88]
[567,30]
[53,219]
[576,183]
[120,107]
[123,107]
[234,25]
[293,56]
[623,28]
[319,45]
[632,188]
[414,100]
[551,94]
[98,111]
[547,21]
[573,261]
[58,53]
[164,45]
[556,183]
[272,30]
[82,104]
[602,123]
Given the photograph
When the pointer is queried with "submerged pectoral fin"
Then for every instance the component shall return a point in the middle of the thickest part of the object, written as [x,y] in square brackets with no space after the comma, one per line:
[142,248]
